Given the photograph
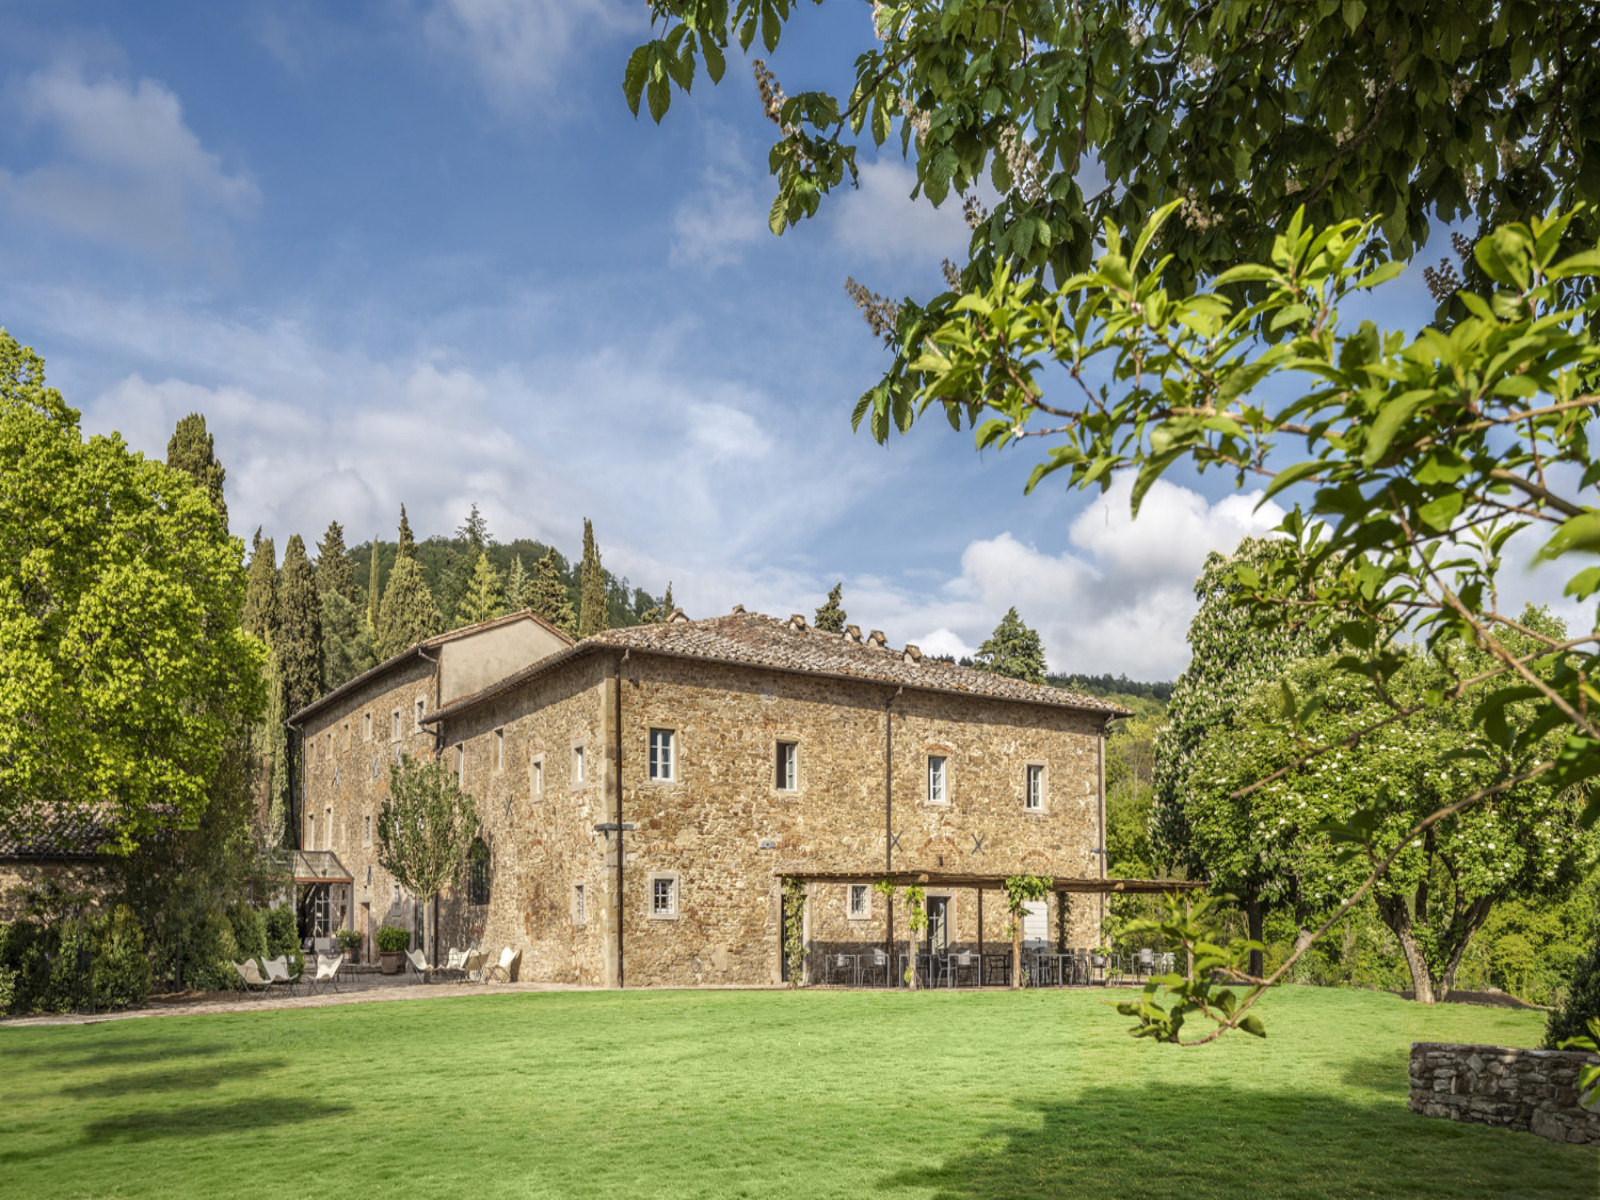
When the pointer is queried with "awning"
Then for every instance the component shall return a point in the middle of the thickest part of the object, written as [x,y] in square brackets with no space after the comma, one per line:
[966,880]
[318,866]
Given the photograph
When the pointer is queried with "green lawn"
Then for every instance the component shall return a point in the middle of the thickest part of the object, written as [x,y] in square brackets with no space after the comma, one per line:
[726,1094]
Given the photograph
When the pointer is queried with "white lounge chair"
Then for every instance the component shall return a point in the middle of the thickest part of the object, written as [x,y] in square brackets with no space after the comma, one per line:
[327,975]
[472,962]
[503,970]
[253,979]
[419,965]
[278,973]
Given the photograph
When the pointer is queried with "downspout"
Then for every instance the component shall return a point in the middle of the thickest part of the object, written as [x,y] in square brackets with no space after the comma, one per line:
[617,771]
[438,749]
[888,820]
[1100,786]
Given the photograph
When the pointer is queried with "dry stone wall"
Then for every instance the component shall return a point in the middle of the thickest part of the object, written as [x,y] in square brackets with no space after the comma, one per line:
[1533,1090]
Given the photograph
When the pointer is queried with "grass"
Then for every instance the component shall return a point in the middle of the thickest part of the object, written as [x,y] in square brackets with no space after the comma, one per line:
[758,1094]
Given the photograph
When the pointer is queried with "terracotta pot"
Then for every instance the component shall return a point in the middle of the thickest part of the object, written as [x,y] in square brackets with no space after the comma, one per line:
[390,960]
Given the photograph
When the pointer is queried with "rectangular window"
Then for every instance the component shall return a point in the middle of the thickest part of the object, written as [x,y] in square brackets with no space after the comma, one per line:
[936,789]
[578,914]
[788,752]
[577,766]
[366,837]
[538,777]
[369,874]
[368,734]
[330,743]
[394,725]
[860,901]
[1035,793]
[421,708]
[328,834]
[374,766]
[661,754]
[499,749]
[663,896]
[461,764]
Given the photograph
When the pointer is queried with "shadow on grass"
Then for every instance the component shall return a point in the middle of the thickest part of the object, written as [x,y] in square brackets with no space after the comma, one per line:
[180,1079]
[111,1052]
[1208,1141]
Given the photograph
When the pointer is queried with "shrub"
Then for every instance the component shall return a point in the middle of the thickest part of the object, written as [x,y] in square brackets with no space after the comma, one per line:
[40,971]
[392,938]
[121,966]
[249,929]
[1583,1001]
[349,939]
[282,935]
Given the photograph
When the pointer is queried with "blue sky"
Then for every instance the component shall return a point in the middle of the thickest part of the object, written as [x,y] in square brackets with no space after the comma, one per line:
[420,251]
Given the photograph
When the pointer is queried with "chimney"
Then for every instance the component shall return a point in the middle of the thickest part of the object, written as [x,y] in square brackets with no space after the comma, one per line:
[852,633]
[738,609]
[913,653]
[876,638]
[677,616]
[797,623]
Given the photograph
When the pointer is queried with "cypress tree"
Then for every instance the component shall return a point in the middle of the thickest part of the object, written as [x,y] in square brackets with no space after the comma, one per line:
[546,595]
[594,614]
[299,644]
[659,611]
[1013,650]
[374,592]
[260,615]
[831,616]
[408,544]
[190,450]
[276,765]
[484,594]
[409,614]
[516,584]
[334,572]
[347,648]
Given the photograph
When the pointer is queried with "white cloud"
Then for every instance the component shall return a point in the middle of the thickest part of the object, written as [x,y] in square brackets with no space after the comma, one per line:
[516,50]
[879,220]
[716,223]
[130,170]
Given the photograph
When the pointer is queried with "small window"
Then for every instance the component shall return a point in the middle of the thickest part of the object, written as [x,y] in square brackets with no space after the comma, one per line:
[417,714]
[311,751]
[788,752]
[499,749]
[330,743]
[366,837]
[1035,792]
[374,766]
[394,725]
[368,734]
[936,783]
[478,873]
[538,777]
[578,913]
[347,742]
[336,772]
[328,830]
[461,764]
[661,754]
[397,753]
[860,901]
[663,896]
[577,766]
[311,832]
[369,871]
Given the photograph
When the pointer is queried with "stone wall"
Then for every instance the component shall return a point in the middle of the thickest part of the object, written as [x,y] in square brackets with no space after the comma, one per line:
[1534,1090]
[19,877]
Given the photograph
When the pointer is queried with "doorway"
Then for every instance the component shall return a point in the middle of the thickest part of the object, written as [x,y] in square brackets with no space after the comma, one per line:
[366,933]
[938,924]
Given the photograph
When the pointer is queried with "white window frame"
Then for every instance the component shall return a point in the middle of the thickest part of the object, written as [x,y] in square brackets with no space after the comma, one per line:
[419,709]
[366,836]
[394,726]
[939,774]
[864,890]
[662,745]
[327,837]
[786,780]
[580,766]
[368,728]
[670,878]
[536,777]
[1034,799]
[500,749]
[461,764]
[580,912]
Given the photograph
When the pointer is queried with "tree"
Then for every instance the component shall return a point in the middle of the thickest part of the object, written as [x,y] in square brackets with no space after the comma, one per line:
[334,572]
[1021,890]
[408,615]
[299,643]
[190,450]
[1240,114]
[658,611]
[1012,650]
[424,830]
[546,595]
[831,616]
[459,577]
[485,594]
[124,671]
[916,922]
[407,547]
[516,584]
[260,615]
[374,592]
[1292,833]
[594,614]
[1582,1003]
[347,646]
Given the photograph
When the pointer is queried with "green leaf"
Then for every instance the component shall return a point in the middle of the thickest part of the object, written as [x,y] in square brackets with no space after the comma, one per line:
[659,94]
[1584,584]
[771,26]
[1252,1025]
[634,77]
[1393,415]
[1580,533]
[777,219]
[1288,477]
[1503,255]
[716,63]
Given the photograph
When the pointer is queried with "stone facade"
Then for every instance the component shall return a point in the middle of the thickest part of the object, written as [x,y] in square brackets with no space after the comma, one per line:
[712,833]
[1533,1090]
[22,877]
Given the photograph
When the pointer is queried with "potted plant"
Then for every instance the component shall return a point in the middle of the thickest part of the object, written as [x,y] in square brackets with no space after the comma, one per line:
[350,943]
[392,943]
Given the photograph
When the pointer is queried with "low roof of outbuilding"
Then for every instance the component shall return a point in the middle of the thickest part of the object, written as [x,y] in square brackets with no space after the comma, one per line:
[750,639]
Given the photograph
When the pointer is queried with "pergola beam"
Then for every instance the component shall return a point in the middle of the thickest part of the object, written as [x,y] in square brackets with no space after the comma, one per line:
[1076,886]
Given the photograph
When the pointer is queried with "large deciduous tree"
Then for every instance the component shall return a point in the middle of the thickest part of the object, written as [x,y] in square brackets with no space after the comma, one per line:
[424,829]
[124,670]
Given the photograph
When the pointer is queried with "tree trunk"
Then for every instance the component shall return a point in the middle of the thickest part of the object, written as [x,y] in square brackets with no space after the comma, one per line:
[1397,916]
[1477,914]
[1016,950]
[1252,911]
[911,947]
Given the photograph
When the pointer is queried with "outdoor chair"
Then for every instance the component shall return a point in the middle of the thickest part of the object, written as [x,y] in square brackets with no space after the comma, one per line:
[880,962]
[254,980]
[965,961]
[419,965]
[838,964]
[278,973]
[472,966]
[1146,965]
[327,975]
[502,971]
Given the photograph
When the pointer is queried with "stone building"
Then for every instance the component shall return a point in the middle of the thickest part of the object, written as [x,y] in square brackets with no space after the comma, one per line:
[733,752]
[64,857]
